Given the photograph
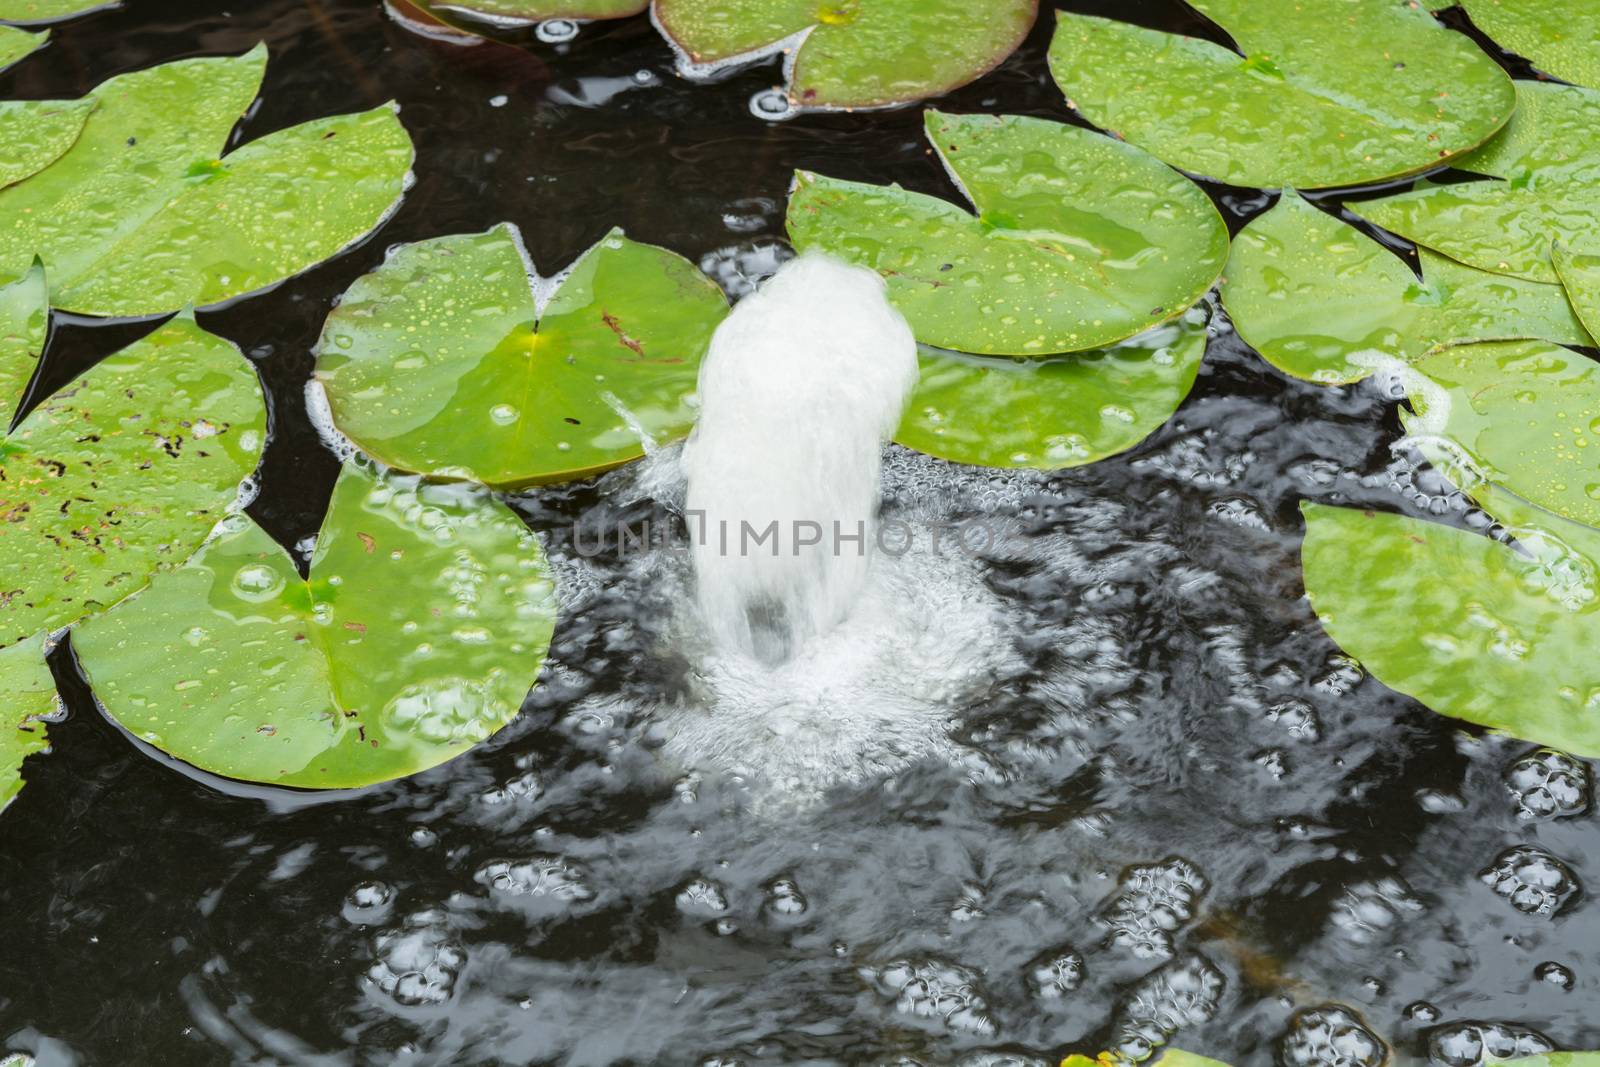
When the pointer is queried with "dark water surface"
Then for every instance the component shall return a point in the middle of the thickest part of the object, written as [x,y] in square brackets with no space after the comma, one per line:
[1180,814]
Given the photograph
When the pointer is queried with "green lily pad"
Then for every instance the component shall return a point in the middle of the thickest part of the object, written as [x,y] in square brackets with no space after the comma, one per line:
[1549,158]
[24,326]
[121,473]
[444,361]
[29,12]
[191,229]
[16,45]
[30,694]
[1552,1059]
[36,133]
[1560,37]
[1049,414]
[423,624]
[1580,276]
[1524,415]
[1471,627]
[1339,94]
[525,12]
[1321,301]
[853,53]
[1080,241]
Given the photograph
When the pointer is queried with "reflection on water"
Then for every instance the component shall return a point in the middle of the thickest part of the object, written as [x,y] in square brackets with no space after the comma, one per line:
[1121,790]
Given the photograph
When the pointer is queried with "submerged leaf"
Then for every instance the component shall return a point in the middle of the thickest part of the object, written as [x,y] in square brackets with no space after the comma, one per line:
[421,628]
[1551,1059]
[24,326]
[36,133]
[1580,276]
[1338,94]
[1559,37]
[184,234]
[441,361]
[30,698]
[1473,628]
[1549,160]
[37,11]
[1080,241]
[1524,415]
[16,45]
[1323,302]
[853,53]
[1048,414]
[120,473]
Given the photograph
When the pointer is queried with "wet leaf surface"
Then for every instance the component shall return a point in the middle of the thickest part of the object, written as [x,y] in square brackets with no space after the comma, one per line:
[1525,415]
[447,335]
[35,133]
[1321,301]
[420,630]
[855,53]
[1048,414]
[24,326]
[1549,161]
[191,229]
[1471,627]
[37,11]
[16,44]
[30,695]
[122,472]
[1339,94]
[1560,37]
[1580,276]
[1079,241]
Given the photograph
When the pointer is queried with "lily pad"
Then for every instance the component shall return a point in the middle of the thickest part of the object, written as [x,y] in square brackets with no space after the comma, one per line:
[1580,276]
[1049,414]
[1471,627]
[1560,37]
[30,695]
[16,45]
[423,624]
[32,12]
[1344,93]
[1080,241]
[1524,415]
[453,360]
[1549,160]
[851,53]
[36,133]
[121,473]
[191,229]
[1552,1059]
[24,326]
[1323,302]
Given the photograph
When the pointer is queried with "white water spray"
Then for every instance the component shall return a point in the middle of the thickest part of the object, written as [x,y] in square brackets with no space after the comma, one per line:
[803,384]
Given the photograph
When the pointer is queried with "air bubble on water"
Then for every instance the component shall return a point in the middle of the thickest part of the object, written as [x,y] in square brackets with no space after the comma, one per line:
[1330,1036]
[740,268]
[785,902]
[1151,904]
[369,903]
[1534,881]
[1182,994]
[1555,974]
[556,31]
[1371,912]
[522,789]
[1546,784]
[1298,718]
[419,963]
[1052,975]
[320,412]
[1420,1011]
[773,105]
[1559,572]
[703,897]
[553,878]
[935,992]
[1471,1044]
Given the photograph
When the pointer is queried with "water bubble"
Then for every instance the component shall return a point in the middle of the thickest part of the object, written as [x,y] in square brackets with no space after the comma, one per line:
[1370,912]
[934,990]
[1552,973]
[1420,1011]
[556,31]
[1533,880]
[257,582]
[1546,784]
[1180,994]
[553,877]
[1298,718]
[1470,1044]
[784,900]
[369,903]
[772,105]
[1055,974]
[1154,901]
[418,964]
[703,896]
[504,414]
[1330,1036]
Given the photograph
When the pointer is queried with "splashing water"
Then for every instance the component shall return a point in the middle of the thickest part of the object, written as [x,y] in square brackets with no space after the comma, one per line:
[803,384]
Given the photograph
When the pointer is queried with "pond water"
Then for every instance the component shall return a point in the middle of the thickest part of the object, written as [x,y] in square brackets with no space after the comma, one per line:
[1120,788]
